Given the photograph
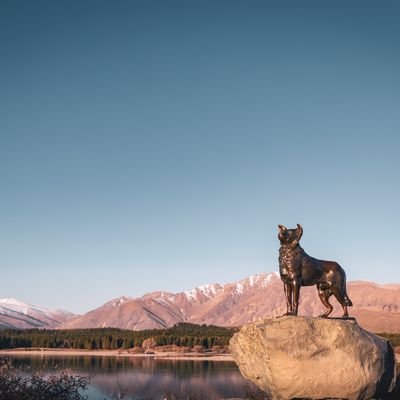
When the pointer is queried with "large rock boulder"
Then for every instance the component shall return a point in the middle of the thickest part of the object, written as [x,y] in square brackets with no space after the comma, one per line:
[314,358]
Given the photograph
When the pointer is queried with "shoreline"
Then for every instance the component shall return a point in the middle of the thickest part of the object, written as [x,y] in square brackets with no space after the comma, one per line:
[43,352]
[116,353]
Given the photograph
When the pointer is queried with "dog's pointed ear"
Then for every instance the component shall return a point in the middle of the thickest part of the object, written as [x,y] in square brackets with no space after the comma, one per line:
[282,228]
[299,231]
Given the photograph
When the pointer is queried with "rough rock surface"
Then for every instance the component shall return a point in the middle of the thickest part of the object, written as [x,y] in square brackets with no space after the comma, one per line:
[314,358]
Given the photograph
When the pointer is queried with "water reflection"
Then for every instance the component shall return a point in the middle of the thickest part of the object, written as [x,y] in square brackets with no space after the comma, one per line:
[136,377]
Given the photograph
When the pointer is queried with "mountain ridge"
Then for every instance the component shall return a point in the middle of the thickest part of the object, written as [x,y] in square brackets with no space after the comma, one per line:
[18,314]
[377,306]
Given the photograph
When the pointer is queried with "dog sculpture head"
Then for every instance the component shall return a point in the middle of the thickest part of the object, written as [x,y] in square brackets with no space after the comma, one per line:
[290,236]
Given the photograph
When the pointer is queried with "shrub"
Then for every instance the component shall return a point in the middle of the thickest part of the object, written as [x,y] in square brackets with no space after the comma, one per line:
[198,349]
[149,343]
[136,350]
[15,385]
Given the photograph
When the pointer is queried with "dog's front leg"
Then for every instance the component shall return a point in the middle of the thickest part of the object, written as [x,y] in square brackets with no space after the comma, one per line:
[288,295]
[295,286]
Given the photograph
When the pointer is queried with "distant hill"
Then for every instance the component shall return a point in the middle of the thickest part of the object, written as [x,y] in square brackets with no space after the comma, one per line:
[17,314]
[376,307]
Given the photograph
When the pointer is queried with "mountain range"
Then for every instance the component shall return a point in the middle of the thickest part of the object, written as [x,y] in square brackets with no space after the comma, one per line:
[376,307]
[17,314]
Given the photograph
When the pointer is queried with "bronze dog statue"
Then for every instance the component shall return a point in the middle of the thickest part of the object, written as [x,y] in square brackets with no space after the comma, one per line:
[297,269]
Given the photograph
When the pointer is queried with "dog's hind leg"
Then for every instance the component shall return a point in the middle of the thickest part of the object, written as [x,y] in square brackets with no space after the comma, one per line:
[324,295]
[342,300]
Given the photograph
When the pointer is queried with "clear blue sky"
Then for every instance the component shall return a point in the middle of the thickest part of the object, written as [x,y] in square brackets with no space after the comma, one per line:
[156,145]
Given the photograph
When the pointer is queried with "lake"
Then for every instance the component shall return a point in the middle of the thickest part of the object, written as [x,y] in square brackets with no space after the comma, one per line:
[146,377]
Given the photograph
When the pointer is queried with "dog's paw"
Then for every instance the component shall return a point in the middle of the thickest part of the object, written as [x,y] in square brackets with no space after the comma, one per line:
[286,314]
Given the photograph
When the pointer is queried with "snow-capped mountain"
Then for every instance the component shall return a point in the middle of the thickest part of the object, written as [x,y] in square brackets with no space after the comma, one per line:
[376,307]
[17,314]
[204,304]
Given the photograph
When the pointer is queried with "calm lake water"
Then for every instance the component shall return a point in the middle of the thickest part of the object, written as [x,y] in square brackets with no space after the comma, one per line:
[138,377]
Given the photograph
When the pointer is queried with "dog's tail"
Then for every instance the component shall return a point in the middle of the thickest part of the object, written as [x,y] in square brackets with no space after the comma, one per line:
[347,300]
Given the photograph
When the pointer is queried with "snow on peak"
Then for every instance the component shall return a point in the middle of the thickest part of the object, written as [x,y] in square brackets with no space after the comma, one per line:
[239,288]
[190,294]
[269,277]
[209,290]
[161,300]
[119,301]
[25,308]
[254,280]
[162,297]
[205,290]
[16,305]
[12,301]
[262,279]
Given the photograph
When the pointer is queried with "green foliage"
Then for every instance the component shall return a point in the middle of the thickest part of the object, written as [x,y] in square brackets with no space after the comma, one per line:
[182,334]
